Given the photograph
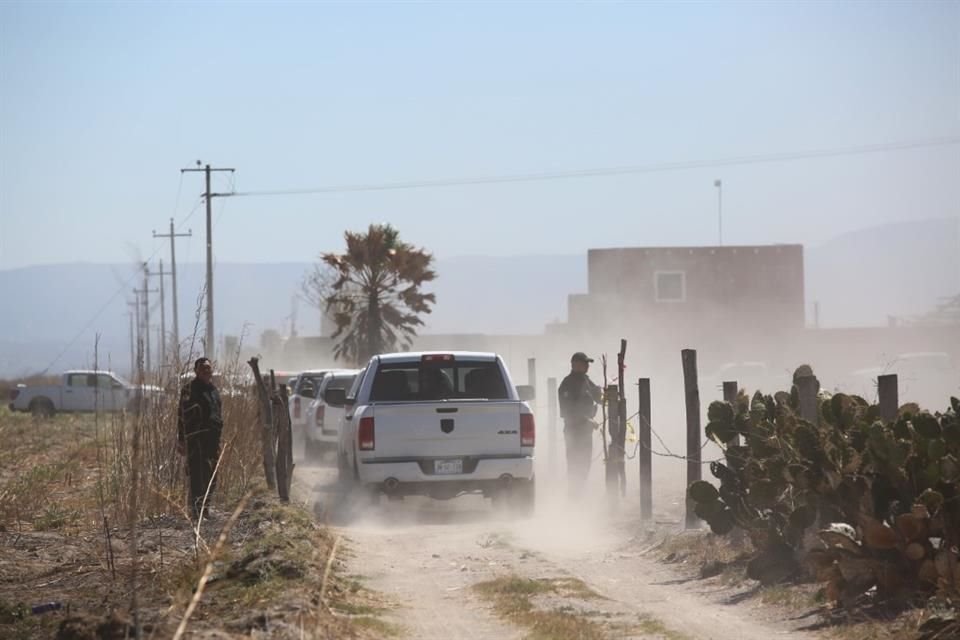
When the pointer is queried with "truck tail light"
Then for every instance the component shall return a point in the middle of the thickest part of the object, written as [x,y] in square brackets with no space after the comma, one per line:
[319,415]
[365,435]
[296,408]
[528,430]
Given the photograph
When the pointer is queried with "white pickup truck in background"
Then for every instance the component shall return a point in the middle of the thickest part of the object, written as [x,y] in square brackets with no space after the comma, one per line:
[323,417]
[80,391]
[440,425]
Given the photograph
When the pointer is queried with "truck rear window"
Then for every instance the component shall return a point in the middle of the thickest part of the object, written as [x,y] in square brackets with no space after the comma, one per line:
[431,381]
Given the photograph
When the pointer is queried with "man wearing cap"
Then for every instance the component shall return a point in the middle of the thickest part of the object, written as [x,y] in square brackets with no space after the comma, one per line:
[199,427]
[578,398]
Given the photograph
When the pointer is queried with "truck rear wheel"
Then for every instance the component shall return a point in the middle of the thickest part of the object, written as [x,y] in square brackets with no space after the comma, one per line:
[518,498]
[522,498]
[42,408]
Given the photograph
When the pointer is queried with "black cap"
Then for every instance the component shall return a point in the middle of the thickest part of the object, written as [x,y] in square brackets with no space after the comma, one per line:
[580,356]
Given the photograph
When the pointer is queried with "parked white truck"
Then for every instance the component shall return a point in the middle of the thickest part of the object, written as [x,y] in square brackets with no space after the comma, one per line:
[440,425]
[79,391]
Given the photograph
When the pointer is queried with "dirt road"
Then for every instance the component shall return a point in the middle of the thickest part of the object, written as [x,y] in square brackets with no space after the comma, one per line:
[426,557]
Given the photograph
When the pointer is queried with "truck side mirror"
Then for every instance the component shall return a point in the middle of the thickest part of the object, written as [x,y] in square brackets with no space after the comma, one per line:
[335,397]
[526,392]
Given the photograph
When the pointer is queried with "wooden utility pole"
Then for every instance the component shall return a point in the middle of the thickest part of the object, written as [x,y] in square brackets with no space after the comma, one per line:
[144,297]
[137,370]
[692,392]
[209,346]
[133,343]
[173,235]
[163,314]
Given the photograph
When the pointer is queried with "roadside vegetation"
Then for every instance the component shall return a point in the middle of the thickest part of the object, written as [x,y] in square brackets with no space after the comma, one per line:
[95,540]
[859,516]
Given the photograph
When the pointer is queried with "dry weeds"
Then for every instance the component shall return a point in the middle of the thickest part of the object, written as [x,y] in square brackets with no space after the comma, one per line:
[114,549]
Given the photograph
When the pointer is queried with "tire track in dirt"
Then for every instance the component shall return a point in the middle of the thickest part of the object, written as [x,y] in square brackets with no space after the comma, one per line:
[425,556]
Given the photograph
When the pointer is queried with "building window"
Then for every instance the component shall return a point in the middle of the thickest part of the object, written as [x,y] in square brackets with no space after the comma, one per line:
[671,286]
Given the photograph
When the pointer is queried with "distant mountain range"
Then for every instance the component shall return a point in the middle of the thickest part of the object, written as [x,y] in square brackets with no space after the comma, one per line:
[858,279]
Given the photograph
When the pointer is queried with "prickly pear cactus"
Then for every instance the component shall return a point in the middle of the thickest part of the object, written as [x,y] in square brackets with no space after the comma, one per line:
[864,504]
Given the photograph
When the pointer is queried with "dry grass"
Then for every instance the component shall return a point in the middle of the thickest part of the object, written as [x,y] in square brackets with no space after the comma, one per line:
[92,511]
[513,599]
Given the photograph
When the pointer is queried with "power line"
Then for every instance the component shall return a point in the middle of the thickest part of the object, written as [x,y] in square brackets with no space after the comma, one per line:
[789,156]
[123,287]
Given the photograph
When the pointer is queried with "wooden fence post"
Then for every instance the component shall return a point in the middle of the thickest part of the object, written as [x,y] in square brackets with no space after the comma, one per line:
[621,442]
[284,443]
[889,397]
[807,388]
[691,388]
[552,432]
[644,450]
[266,423]
[730,395]
[613,425]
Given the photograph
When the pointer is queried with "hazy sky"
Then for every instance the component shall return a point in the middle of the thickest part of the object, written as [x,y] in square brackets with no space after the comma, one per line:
[102,104]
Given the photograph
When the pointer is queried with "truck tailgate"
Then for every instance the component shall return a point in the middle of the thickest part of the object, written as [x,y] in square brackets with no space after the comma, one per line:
[413,430]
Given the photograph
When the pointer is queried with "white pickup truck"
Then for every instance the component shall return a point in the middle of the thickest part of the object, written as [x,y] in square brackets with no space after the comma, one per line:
[79,391]
[440,425]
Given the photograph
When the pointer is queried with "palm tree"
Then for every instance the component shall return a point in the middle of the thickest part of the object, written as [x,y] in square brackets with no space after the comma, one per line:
[376,299]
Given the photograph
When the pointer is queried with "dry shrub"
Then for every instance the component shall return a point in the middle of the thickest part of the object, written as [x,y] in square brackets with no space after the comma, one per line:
[162,470]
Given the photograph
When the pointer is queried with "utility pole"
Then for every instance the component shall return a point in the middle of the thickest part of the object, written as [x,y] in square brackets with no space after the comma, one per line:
[133,352]
[139,351]
[173,235]
[163,313]
[719,185]
[145,299]
[208,196]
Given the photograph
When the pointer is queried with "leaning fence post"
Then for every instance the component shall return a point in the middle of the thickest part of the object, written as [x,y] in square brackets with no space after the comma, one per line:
[807,388]
[266,424]
[889,397]
[643,453]
[691,388]
[552,435]
[730,395]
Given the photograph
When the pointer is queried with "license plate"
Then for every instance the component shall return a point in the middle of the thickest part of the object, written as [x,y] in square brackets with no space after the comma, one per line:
[445,467]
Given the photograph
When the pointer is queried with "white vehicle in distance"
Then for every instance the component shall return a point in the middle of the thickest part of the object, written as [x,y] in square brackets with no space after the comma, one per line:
[439,425]
[303,389]
[81,391]
[323,418]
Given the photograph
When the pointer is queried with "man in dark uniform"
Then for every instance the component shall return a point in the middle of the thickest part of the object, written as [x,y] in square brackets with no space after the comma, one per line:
[199,427]
[578,398]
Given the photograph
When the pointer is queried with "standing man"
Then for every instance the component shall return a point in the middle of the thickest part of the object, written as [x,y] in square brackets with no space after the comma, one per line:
[199,427]
[578,398]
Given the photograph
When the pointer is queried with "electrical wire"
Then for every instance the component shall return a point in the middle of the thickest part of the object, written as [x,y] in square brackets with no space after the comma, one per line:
[125,286]
[788,156]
